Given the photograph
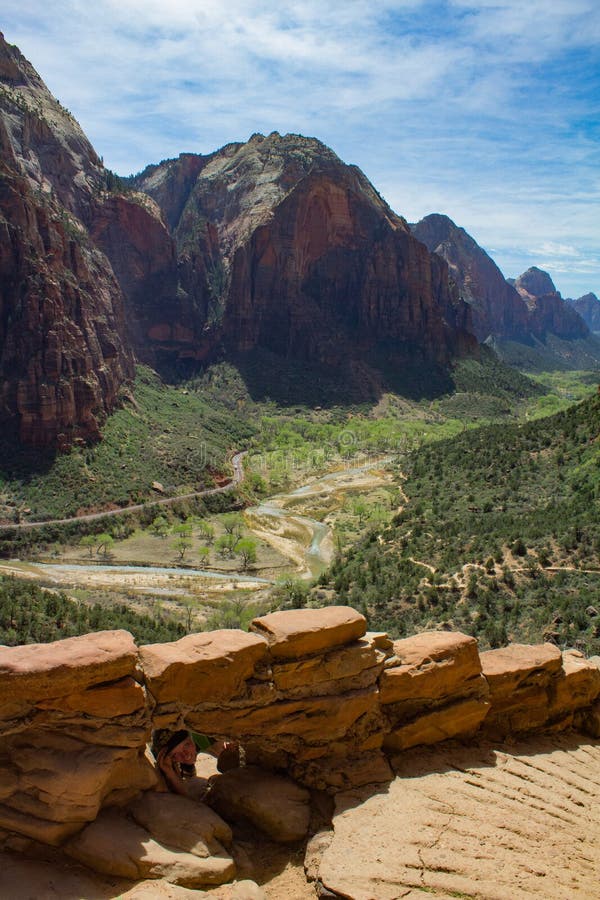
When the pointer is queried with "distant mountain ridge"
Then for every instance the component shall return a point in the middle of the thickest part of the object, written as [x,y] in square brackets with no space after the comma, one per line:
[497,308]
[588,308]
[515,309]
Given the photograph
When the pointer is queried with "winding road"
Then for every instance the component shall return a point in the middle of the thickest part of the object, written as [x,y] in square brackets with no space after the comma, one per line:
[238,477]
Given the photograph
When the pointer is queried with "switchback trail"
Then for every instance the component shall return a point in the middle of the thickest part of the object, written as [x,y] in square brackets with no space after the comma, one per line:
[238,477]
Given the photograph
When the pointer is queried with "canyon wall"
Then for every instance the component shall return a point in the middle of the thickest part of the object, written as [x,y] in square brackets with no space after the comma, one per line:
[307,692]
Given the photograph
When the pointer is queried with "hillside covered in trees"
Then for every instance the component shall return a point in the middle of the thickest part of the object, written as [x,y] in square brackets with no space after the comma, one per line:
[499,536]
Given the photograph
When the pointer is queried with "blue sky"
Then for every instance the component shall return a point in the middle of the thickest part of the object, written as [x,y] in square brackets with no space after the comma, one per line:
[487,111]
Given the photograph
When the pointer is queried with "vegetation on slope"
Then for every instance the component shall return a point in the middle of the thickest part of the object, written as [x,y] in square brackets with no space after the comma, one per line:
[31,614]
[500,537]
[173,436]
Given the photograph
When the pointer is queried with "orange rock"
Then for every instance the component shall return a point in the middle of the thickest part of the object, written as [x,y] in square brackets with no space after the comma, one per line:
[275,804]
[305,632]
[312,719]
[338,774]
[35,672]
[432,665]
[519,665]
[212,666]
[457,719]
[114,845]
[519,677]
[577,686]
[337,671]
[121,698]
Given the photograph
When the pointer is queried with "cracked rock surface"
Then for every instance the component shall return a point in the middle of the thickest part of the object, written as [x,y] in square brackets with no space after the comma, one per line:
[487,821]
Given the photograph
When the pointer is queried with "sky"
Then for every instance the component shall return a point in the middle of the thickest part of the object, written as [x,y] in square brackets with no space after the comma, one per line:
[486,111]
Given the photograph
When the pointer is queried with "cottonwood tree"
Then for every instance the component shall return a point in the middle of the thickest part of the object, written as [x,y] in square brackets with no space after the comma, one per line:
[182,545]
[246,548]
[233,523]
[88,541]
[105,543]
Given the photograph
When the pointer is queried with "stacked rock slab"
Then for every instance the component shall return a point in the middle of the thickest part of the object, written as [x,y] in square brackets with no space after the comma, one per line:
[537,687]
[74,724]
[434,691]
[302,687]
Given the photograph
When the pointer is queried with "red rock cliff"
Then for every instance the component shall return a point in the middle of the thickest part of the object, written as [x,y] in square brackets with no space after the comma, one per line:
[63,356]
[313,263]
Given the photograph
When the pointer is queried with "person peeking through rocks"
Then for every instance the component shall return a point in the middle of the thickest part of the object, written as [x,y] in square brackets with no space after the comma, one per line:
[175,753]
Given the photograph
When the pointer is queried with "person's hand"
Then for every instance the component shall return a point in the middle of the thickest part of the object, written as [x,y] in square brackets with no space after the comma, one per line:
[165,763]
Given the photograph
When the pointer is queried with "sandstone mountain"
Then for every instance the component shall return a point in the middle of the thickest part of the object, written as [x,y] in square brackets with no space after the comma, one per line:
[588,308]
[497,308]
[303,257]
[63,356]
[526,309]
[549,313]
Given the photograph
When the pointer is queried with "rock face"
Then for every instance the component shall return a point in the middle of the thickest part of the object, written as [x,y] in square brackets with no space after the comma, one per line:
[74,723]
[522,309]
[303,257]
[114,845]
[496,306]
[276,805]
[548,312]
[588,308]
[473,821]
[272,246]
[436,692]
[63,356]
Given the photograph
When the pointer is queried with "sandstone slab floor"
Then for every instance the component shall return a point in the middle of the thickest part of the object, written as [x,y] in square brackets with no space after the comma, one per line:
[490,822]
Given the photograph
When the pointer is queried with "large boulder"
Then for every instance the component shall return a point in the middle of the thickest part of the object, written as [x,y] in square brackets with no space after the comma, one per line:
[436,690]
[38,672]
[276,805]
[519,678]
[115,845]
[206,667]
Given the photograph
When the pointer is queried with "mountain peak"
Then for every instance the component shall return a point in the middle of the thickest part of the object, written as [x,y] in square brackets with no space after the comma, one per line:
[535,283]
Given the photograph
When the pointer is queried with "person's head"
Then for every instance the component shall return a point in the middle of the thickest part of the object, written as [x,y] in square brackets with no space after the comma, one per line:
[178,747]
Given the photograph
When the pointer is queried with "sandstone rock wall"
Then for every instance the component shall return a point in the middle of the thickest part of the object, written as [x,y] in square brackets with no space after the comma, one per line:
[308,692]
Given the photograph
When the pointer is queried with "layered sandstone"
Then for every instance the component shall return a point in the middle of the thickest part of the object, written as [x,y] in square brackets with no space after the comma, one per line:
[435,692]
[307,693]
[74,723]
